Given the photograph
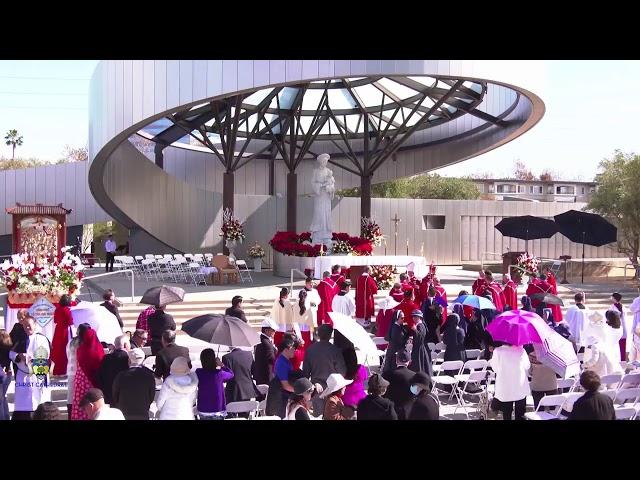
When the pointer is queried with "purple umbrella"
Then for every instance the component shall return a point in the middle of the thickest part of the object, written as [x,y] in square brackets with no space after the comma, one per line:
[516,327]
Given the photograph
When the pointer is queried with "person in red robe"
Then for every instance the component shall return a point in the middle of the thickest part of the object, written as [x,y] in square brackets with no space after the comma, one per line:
[537,285]
[366,288]
[89,359]
[396,292]
[491,287]
[510,291]
[384,318]
[63,321]
[337,276]
[556,311]
[327,289]
[442,293]
[479,283]
[407,306]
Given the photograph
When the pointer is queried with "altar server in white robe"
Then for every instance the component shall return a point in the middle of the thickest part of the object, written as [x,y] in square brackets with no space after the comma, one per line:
[343,302]
[312,299]
[32,358]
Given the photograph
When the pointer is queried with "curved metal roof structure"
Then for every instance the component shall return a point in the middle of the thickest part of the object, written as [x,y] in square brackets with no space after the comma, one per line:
[378,120]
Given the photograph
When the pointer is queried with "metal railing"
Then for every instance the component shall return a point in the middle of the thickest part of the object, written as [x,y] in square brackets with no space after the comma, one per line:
[115,273]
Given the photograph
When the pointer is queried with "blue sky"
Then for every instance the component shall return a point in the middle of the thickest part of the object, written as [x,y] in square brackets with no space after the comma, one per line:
[592,108]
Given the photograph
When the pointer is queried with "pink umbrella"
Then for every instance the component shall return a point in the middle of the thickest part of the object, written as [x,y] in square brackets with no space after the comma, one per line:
[516,327]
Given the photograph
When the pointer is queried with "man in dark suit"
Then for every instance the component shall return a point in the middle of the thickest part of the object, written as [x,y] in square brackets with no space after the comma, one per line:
[134,389]
[235,310]
[170,351]
[265,353]
[158,323]
[112,364]
[593,405]
[399,391]
[241,386]
[109,297]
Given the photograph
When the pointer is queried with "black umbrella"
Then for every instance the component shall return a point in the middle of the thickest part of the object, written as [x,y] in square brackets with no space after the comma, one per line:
[163,295]
[221,330]
[548,298]
[527,227]
[586,228]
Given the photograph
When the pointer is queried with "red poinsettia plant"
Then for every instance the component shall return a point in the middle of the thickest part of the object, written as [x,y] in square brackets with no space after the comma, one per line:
[299,245]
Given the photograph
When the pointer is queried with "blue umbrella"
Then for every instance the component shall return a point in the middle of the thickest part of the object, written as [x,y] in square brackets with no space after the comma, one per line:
[476,301]
[460,299]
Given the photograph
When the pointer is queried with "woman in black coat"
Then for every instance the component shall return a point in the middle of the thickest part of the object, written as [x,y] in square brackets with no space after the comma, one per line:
[397,336]
[475,337]
[374,406]
[453,338]
[420,357]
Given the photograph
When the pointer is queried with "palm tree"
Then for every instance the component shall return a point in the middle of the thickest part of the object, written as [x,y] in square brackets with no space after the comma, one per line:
[12,138]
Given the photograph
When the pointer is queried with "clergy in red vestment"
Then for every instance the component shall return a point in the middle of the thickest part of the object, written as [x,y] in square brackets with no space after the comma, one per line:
[494,288]
[384,317]
[366,288]
[479,283]
[396,292]
[337,276]
[407,306]
[63,321]
[537,285]
[327,289]
[440,292]
[417,292]
[405,283]
[510,290]
[556,311]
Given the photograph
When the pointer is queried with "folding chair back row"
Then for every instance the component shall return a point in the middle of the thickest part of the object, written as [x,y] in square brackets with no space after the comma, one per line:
[245,274]
[247,406]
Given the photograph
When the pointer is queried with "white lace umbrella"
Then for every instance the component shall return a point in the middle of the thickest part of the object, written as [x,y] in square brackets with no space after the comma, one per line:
[101,320]
[354,332]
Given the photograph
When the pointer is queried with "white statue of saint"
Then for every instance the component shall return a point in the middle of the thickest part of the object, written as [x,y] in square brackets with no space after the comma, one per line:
[324,187]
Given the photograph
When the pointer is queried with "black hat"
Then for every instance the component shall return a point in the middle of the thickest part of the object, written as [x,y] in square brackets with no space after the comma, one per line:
[92,395]
[421,379]
[302,385]
[377,381]
[403,356]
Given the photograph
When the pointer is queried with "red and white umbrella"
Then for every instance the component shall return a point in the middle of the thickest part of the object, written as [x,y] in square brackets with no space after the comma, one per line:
[555,351]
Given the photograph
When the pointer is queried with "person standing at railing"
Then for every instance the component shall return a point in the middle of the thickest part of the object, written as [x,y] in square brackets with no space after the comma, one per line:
[110,249]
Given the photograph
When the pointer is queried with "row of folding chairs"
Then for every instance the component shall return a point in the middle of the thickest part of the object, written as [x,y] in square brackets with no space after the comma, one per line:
[177,268]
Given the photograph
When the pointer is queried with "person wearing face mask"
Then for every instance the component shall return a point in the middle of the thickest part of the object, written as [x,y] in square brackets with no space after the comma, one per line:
[300,401]
[424,405]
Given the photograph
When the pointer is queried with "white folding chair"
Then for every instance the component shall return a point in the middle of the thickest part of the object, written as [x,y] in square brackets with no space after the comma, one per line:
[570,399]
[473,354]
[474,378]
[472,366]
[610,393]
[611,379]
[630,379]
[556,401]
[626,413]
[440,347]
[443,379]
[436,362]
[264,390]
[628,397]
[431,346]
[247,406]
[151,256]
[196,275]
[570,383]
[243,269]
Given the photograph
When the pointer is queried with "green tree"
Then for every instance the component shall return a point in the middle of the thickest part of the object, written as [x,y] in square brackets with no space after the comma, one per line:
[617,198]
[421,186]
[14,140]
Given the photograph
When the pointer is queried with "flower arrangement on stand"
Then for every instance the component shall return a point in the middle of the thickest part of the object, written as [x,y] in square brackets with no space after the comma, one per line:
[371,231]
[383,275]
[28,276]
[257,253]
[528,263]
[232,229]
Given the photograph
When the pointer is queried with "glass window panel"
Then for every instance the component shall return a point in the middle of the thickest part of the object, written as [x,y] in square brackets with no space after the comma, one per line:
[369,95]
[352,122]
[340,99]
[256,97]
[311,99]
[400,91]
